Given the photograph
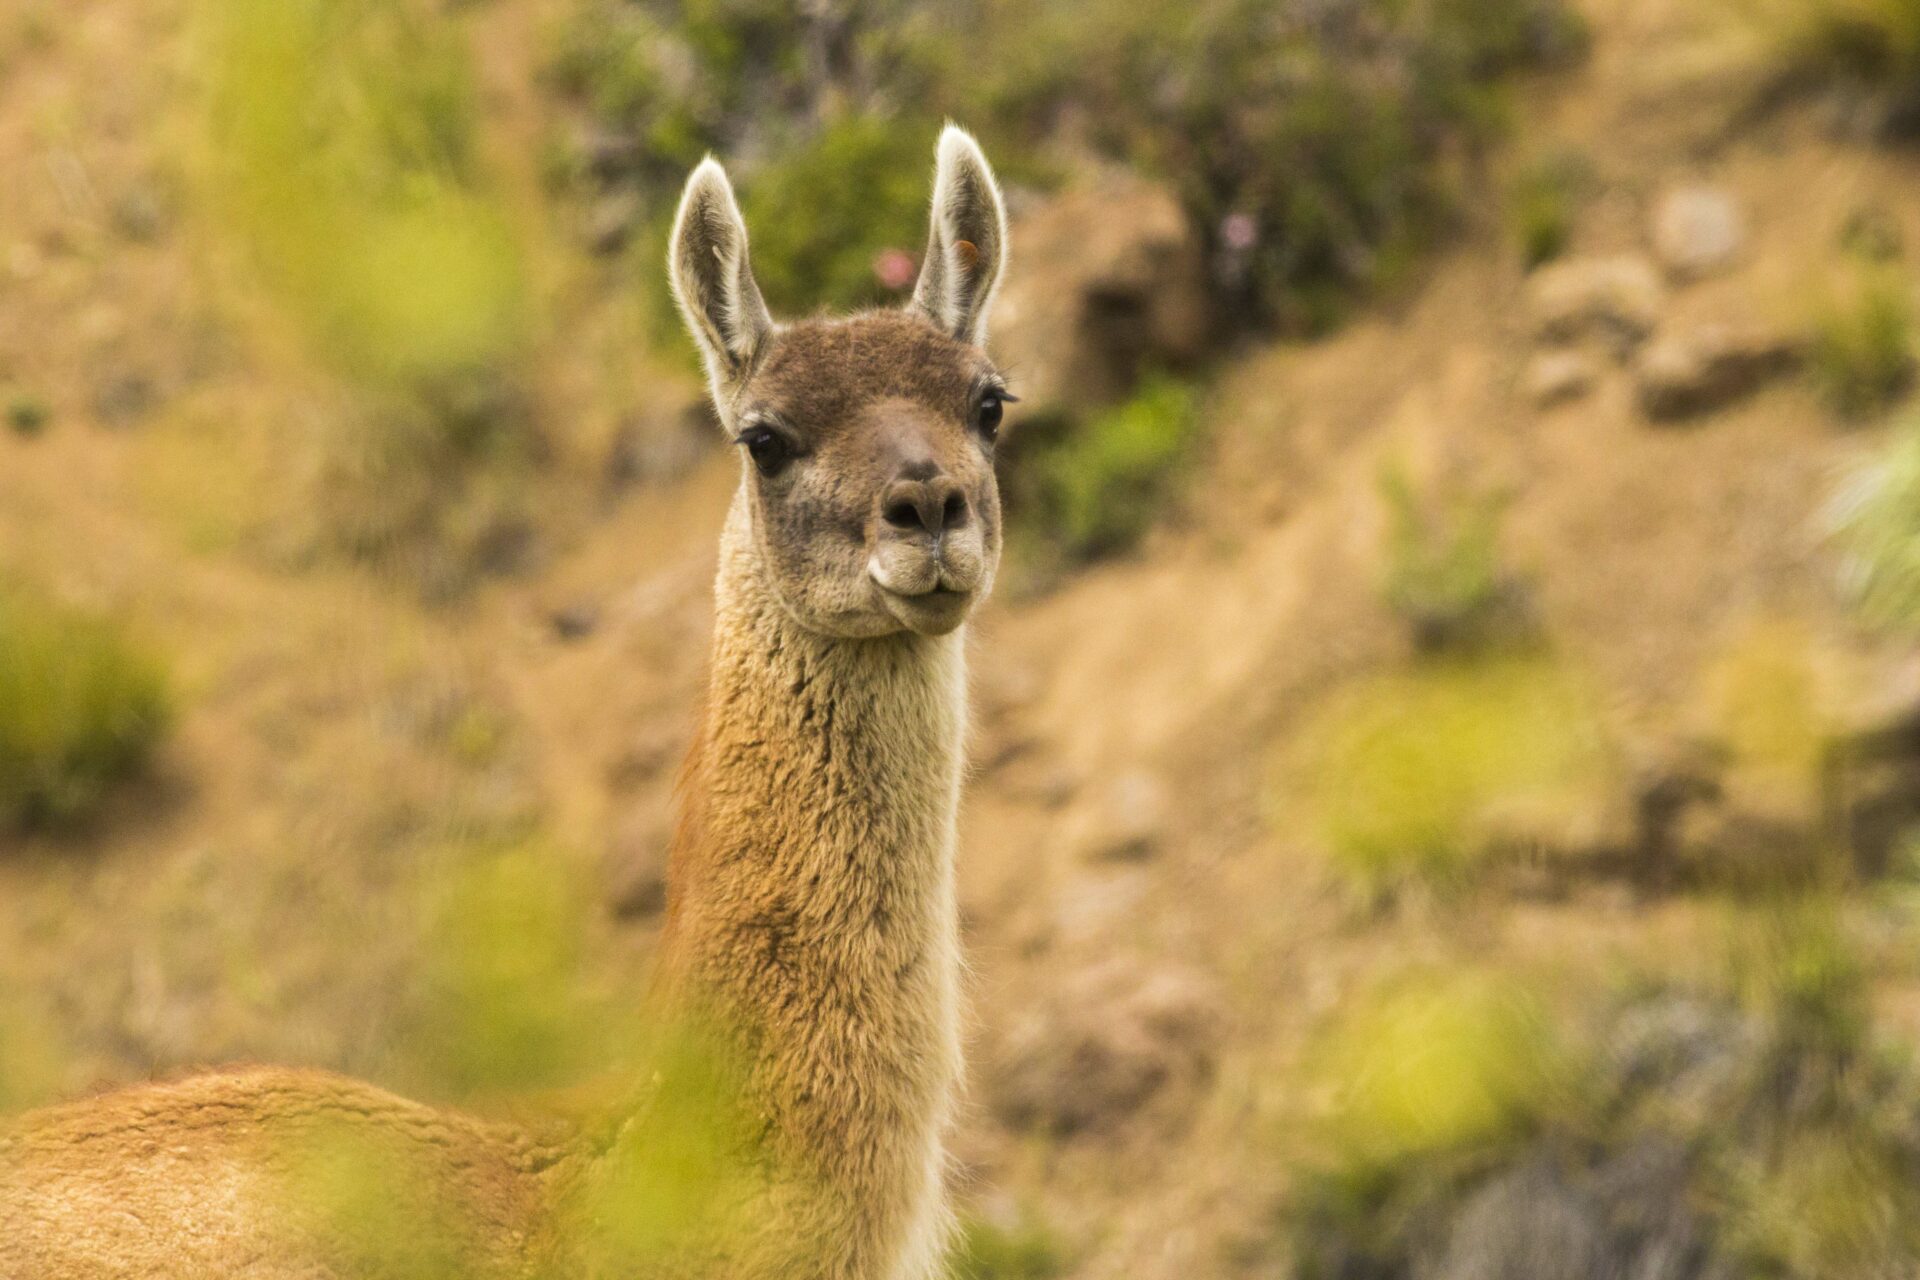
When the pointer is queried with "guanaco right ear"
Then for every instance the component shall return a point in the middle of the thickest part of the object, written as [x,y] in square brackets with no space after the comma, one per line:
[712,281]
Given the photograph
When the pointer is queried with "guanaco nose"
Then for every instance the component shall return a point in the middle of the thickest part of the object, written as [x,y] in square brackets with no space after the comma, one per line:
[932,505]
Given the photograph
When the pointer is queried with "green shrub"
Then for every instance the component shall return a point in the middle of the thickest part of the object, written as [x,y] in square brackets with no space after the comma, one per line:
[1425,776]
[1863,346]
[1544,204]
[81,710]
[1868,47]
[1026,1250]
[27,414]
[1315,146]
[346,148]
[1876,520]
[1444,575]
[1434,1065]
[821,215]
[1095,487]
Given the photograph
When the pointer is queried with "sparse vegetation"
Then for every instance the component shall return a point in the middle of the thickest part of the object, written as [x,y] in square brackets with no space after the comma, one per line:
[1444,574]
[82,708]
[1756,1128]
[1863,347]
[1869,48]
[345,158]
[1314,145]
[1876,519]
[1094,489]
[1543,205]
[27,414]
[1024,1250]
[1434,1065]
[1424,777]
[824,214]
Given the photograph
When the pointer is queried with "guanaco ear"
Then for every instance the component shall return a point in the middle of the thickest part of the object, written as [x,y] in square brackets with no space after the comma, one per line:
[712,280]
[967,247]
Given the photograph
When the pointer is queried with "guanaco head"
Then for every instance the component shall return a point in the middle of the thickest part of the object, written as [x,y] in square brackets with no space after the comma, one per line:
[866,442]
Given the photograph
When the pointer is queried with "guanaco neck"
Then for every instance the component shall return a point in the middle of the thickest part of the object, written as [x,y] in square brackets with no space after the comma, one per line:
[813,899]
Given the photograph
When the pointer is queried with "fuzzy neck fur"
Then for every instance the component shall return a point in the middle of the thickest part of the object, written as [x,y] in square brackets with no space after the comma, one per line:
[813,901]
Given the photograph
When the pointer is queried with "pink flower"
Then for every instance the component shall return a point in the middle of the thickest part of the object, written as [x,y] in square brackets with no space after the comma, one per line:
[894,268]
[1239,232]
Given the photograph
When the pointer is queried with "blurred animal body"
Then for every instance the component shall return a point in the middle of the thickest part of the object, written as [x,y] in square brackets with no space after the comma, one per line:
[812,901]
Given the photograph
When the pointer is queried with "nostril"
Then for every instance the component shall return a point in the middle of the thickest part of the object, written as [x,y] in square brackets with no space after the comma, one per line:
[953,512]
[901,513]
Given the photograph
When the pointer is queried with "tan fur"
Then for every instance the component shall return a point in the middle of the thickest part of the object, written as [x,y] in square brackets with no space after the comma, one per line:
[812,904]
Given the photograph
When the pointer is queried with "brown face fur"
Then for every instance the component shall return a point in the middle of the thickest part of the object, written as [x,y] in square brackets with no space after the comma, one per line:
[883,514]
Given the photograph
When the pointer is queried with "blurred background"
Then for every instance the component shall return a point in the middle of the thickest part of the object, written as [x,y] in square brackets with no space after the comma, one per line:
[1447,776]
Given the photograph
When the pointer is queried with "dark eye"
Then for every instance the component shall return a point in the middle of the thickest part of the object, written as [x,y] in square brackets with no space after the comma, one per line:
[992,409]
[768,449]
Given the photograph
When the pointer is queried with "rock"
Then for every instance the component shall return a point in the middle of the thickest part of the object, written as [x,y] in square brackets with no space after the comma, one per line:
[1697,230]
[1705,368]
[1631,1216]
[1617,299]
[1128,817]
[1522,1225]
[1556,376]
[1106,280]
[636,868]
[1110,1041]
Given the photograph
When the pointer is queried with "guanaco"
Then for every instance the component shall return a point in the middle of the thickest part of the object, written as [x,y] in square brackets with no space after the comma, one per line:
[811,907]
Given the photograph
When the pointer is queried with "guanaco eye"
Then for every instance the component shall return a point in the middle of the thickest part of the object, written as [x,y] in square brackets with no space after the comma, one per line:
[768,449]
[992,409]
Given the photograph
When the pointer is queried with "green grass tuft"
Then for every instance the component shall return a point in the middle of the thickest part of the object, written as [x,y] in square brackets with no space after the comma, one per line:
[1876,521]
[1544,204]
[82,709]
[1444,574]
[1424,777]
[1863,346]
[27,414]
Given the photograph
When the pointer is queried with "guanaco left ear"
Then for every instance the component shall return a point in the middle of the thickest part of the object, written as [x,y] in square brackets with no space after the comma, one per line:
[712,280]
[967,247]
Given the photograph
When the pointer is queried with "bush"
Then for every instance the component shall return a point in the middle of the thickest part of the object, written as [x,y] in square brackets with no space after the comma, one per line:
[1876,520]
[1313,144]
[1543,205]
[1870,48]
[1434,1065]
[1863,346]
[1444,575]
[1423,777]
[1093,489]
[27,414]
[345,140]
[823,215]
[81,710]
[1316,146]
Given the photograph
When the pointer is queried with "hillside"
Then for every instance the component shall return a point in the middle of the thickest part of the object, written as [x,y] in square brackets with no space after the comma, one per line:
[1162,943]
